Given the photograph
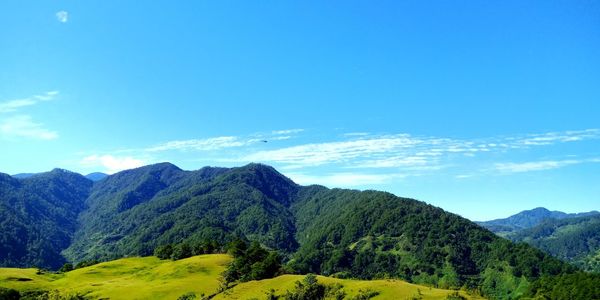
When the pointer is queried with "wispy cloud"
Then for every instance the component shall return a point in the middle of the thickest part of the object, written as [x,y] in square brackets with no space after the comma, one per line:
[531,166]
[534,166]
[286,131]
[333,152]
[112,164]
[557,137]
[14,124]
[16,104]
[24,126]
[343,179]
[223,142]
[62,16]
[404,151]
[363,159]
[207,144]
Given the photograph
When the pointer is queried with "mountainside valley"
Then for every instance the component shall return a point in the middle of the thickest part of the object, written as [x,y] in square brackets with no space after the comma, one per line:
[49,219]
[570,237]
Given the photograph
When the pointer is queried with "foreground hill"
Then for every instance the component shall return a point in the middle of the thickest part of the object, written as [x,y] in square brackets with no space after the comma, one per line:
[576,240]
[527,219]
[347,233]
[151,278]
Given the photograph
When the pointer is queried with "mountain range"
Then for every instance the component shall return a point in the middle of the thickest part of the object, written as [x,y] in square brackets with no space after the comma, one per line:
[569,237]
[527,219]
[60,216]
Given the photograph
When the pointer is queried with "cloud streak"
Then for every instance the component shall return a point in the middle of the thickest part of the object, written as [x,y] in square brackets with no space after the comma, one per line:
[112,164]
[404,151]
[222,142]
[14,105]
[15,125]
[345,179]
[24,126]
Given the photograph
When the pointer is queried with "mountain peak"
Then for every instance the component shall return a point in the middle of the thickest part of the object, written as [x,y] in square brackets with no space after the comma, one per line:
[266,179]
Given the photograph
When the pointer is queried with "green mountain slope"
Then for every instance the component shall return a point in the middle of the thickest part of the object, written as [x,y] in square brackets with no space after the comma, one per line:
[347,233]
[38,217]
[576,240]
[132,213]
[527,219]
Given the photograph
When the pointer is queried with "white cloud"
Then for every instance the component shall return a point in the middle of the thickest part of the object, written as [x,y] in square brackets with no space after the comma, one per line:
[334,152]
[343,179]
[24,127]
[14,105]
[558,137]
[222,142]
[111,164]
[286,132]
[356,134]
[62,16]
[207,144]
[534,166]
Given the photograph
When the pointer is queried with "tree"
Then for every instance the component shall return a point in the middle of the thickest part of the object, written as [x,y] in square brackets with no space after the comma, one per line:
[66,268]
[164,251]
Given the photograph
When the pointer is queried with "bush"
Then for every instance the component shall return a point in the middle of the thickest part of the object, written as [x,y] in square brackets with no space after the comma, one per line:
[66,268]
[308,289]
[164,251]
[9,294]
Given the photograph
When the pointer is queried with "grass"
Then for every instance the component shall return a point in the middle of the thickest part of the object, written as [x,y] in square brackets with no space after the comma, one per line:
[388,289]
[151,278]
[128,278]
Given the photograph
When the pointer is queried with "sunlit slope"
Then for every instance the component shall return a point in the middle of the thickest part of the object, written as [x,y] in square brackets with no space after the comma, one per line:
[129,278]
[151,278]
[388,289]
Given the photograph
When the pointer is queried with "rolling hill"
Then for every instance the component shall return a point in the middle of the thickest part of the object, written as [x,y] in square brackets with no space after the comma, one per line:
[151,278]
[346,233]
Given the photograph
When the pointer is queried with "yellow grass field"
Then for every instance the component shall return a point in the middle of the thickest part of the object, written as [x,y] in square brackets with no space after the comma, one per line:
[151,278]
[388,289]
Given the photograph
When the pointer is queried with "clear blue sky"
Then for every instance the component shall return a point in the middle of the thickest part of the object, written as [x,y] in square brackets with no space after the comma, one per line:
[483,108]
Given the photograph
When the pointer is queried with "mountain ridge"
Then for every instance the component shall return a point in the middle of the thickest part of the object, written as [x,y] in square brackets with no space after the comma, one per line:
[527,219]
[346,233]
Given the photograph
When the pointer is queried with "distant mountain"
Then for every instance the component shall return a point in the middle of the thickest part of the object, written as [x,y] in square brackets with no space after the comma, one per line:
[96,176]
[61,216]
[527,219]
[23,175]
[574,239]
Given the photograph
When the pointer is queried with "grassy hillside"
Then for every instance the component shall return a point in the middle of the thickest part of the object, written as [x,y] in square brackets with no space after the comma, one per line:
[388,289]
[128,278]
[151,278]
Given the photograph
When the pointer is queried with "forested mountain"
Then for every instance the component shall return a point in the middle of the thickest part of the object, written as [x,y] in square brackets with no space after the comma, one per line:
[96,176]
[23,175]
[38,216]
[346,233]
[575,239]
[527,219]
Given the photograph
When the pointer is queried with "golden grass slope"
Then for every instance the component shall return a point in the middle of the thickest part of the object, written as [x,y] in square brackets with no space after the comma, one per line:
[388,289]
[128,278]
[151,278]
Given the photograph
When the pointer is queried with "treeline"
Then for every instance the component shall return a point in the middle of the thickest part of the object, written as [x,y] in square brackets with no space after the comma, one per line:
[11,294]
[67,267]
[566,287]
[188,249]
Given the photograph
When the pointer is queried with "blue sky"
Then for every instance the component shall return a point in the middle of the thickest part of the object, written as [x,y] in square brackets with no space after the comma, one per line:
[482,108]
